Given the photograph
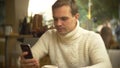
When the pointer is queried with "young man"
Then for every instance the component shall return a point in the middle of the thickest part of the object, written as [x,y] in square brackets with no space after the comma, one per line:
[69,46]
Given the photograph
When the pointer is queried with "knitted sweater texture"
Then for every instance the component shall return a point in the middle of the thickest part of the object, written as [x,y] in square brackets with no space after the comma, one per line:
[78,49]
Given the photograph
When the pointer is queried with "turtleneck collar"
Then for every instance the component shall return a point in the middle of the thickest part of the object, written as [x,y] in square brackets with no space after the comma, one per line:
[71,35]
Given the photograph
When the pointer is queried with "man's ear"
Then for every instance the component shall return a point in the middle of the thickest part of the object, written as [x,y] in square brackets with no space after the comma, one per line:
[77,15]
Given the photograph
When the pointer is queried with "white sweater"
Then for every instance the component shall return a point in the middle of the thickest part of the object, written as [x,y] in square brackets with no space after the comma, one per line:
[78,49]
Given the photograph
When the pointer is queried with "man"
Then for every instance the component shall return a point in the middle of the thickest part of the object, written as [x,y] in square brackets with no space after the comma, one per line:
[69,46]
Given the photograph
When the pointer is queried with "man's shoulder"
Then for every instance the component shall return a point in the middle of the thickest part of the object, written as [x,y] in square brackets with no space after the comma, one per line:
[89,33]
[50,32]
[85,31]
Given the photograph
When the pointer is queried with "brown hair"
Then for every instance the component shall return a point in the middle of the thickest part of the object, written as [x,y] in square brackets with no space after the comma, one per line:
[108,38]
[71,3]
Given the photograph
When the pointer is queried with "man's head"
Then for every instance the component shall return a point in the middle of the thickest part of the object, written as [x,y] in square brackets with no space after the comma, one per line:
[65,14]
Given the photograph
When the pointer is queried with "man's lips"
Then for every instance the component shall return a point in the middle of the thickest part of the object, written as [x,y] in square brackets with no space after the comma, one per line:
[59,28]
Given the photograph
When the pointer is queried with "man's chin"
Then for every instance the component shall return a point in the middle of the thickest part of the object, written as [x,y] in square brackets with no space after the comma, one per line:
[62,33]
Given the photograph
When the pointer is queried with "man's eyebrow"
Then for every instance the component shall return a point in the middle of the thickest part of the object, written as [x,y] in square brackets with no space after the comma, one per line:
[61,17]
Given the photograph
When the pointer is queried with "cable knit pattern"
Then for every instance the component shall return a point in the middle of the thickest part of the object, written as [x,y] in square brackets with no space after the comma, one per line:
[78,49]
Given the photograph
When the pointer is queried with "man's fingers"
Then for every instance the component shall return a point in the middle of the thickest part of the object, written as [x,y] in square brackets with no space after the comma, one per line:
[23,54]
[30,63]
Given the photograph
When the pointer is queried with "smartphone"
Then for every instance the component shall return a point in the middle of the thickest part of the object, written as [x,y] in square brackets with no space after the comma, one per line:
[26,48]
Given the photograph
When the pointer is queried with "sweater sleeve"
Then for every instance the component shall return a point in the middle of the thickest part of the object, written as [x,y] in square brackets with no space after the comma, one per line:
[40,48]
[98,54]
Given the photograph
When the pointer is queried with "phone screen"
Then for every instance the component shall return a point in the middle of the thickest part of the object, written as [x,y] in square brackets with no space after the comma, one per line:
[26,48]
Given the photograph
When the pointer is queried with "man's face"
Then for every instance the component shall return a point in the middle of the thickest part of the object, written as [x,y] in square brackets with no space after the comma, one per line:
[63,20]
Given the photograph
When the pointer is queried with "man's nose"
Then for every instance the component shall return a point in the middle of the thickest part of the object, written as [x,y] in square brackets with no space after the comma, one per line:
[59,22]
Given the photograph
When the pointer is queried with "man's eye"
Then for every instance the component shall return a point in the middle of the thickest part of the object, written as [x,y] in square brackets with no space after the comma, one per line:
[64,18]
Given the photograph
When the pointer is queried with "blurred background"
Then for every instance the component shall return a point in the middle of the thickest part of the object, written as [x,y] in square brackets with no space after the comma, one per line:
[26,20]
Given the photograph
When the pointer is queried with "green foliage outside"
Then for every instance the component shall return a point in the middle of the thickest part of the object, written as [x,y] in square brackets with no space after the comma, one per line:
[101,10]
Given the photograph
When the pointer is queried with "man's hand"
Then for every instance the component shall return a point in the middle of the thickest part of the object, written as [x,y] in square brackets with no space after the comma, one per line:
[28,63]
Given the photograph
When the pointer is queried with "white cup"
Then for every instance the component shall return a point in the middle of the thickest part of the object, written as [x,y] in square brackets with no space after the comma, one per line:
[49,66]
[8,30]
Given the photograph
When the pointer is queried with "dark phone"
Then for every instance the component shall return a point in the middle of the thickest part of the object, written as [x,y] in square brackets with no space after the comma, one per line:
[26,48]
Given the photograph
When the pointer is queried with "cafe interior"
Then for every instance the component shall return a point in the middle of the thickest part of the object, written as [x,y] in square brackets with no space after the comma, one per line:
[24,21]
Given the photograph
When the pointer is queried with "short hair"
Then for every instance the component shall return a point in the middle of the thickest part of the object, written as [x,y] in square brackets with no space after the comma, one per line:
[107,36]
[71,3]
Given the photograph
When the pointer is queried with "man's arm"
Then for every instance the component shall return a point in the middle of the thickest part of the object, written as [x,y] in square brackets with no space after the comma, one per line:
[98,54]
